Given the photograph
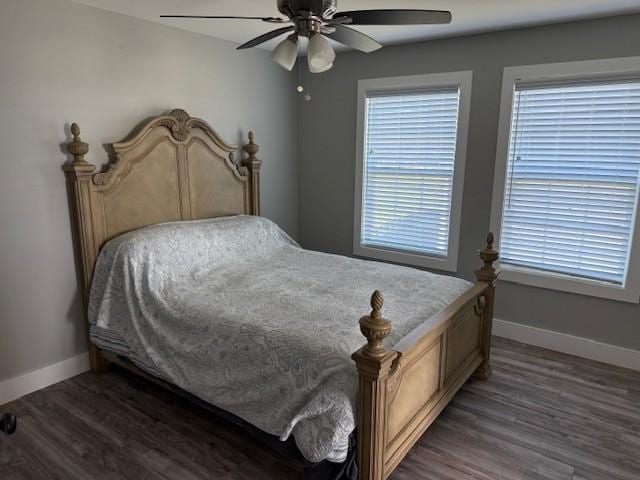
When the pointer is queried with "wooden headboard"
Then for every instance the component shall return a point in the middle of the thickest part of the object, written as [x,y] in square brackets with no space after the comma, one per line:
[173,167]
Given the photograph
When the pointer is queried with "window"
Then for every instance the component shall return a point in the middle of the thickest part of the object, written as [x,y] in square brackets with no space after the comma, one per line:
[570,178]
[410,167]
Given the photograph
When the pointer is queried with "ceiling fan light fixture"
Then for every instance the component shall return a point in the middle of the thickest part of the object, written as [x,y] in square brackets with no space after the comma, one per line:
[320,55]
[286,53]
[320,21]
[321,69]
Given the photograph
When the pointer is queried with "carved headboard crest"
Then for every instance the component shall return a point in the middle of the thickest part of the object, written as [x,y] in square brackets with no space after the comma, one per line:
[180,125]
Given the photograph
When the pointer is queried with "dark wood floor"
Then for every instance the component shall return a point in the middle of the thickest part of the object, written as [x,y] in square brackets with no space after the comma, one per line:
[542,415]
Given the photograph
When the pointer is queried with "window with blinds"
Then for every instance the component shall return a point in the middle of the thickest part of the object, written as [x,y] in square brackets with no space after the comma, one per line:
[408,170]
[571,189]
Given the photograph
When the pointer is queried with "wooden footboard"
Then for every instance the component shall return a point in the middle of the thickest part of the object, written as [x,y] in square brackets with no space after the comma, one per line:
[403,389]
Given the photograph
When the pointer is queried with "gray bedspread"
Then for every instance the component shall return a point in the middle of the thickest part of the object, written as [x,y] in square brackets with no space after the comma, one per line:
[235,312]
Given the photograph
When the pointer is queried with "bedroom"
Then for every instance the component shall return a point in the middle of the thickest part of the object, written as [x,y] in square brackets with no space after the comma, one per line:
[564,397]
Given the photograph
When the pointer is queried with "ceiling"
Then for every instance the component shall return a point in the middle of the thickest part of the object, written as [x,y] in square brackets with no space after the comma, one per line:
[469,16]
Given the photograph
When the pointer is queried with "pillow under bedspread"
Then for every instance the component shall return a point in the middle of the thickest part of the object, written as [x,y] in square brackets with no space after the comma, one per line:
[235,312]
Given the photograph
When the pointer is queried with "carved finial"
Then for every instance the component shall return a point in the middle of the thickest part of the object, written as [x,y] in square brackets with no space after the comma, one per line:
[377,301]
[251,148]
[252,164]
[490,241]
[77,147]
[375,328]
[488,273]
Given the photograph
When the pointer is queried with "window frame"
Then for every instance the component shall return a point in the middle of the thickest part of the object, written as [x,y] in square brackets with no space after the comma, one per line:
[549,73]
[423,83]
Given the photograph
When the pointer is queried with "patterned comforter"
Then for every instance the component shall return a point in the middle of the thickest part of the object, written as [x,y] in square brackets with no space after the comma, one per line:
[235,312]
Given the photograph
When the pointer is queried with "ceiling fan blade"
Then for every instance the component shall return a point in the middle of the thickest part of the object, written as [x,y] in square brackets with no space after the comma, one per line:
[264,19]
[353,38]
[266,37]
[395,17]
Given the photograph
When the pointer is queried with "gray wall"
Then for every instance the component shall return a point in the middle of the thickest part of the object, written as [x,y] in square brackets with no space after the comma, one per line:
[327,149]
[62,62]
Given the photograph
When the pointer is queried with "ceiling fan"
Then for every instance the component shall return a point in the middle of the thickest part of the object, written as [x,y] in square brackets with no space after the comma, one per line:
[319,19]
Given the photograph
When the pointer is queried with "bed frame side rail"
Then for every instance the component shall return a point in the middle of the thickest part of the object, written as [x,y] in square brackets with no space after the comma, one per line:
[403,389]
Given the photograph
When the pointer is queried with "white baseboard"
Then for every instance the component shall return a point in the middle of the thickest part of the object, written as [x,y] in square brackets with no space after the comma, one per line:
[562,342]
[17,387]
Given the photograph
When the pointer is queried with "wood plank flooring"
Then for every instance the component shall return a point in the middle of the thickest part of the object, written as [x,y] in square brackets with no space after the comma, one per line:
[542,415]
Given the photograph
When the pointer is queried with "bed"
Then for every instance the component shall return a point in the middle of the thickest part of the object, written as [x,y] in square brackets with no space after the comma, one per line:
[278,317]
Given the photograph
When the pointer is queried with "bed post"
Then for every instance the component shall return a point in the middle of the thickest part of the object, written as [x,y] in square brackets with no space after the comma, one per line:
[374,362]
[253,163]
[79,173]
[489,274]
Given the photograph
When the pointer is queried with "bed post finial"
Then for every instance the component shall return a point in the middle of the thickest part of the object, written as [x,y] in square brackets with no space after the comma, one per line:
[251,148]
[77,147]
[253,163]
[374,363]
[489,274]
[377,302]
[375,328]
[490,240]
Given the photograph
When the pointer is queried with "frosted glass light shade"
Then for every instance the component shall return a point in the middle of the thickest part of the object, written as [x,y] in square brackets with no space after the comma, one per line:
[286,53]
[320,70]
[320,55]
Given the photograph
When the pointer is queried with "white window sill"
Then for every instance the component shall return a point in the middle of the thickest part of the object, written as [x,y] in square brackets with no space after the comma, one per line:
[447,264]
[563,283]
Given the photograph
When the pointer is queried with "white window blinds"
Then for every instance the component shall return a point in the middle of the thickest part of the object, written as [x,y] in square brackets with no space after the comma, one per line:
[409,156]
[572,179]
